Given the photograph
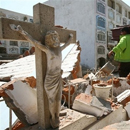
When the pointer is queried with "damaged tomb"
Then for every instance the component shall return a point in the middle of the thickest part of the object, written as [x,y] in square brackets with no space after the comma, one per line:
[86,110]
[90,102]
[53,58]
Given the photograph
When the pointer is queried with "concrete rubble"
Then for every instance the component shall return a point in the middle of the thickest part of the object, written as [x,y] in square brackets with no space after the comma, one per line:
[20,95]
[124,125]
[91,105]
[84,109]
[127,108]
[18,83]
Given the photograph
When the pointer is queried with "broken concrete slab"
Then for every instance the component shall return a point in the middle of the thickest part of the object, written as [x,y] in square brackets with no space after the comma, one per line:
[124,125]
[72,121]
[75,120]
[127,108]
[117,115]
[25,67]
[91,105]
[78,121]
[71,62]
[22,99]
[85,108]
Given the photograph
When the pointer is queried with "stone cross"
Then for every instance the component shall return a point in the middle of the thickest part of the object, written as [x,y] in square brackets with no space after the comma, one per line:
[44,20]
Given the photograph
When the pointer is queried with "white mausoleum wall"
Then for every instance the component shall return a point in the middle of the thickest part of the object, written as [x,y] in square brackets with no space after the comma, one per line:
[79,16]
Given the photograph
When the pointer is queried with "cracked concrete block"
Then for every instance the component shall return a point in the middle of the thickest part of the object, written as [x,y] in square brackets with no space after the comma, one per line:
[127,108]
[116,116]
[124,125]
[22,99]
[82,103]
[75,120]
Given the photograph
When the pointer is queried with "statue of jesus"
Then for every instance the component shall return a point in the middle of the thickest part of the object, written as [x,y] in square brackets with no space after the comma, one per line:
[53,80]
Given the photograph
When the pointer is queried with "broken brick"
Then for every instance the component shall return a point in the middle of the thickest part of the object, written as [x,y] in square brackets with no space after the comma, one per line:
[31,80]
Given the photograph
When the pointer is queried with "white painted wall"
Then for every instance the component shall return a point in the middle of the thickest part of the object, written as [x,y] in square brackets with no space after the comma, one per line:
[79,16]
[25,98]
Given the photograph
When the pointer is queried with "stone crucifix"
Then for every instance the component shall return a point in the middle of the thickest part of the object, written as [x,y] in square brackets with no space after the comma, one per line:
[43,22]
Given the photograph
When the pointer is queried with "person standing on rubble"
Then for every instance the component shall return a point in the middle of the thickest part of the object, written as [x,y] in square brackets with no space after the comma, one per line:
[122,52]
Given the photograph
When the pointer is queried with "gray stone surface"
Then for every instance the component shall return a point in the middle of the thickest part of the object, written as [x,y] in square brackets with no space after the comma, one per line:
[72,121]
[117,115]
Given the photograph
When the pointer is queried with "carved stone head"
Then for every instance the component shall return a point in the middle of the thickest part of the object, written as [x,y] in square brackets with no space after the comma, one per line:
[52,39]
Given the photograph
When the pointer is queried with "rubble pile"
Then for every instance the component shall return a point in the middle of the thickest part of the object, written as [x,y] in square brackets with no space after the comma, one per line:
[82,98]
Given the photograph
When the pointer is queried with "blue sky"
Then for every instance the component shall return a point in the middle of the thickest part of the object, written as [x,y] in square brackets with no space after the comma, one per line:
[26,6]
[20,6]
